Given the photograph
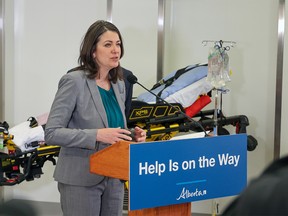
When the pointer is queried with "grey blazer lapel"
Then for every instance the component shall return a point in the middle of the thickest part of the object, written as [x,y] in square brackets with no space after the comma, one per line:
[96,99]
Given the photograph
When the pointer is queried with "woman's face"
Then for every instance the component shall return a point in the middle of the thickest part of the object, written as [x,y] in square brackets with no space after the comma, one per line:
[108,50]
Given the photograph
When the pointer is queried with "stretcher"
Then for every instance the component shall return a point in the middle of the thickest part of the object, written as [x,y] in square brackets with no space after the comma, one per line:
[161,121]
[17,165]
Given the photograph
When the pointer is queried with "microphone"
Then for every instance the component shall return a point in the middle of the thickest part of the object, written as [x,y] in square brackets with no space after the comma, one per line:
[132,79]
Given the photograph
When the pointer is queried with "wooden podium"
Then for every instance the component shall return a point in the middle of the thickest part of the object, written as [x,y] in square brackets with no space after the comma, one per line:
[113,161]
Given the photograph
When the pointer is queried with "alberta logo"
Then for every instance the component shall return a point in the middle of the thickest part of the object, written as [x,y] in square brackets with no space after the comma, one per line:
[185,193]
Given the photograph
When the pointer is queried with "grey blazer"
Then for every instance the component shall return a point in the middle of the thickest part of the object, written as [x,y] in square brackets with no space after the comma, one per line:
[75,117]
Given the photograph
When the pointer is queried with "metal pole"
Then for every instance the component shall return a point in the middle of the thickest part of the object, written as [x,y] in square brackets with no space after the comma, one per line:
[216,110]
[2,83]
[1,61]
[109,10]
[279,77]
[160,38]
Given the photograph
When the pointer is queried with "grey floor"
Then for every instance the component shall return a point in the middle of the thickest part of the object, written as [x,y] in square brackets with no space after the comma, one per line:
[32,208]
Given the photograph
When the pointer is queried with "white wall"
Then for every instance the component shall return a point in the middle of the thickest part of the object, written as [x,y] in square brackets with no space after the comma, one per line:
[140,38]
[42,40]
[252,60]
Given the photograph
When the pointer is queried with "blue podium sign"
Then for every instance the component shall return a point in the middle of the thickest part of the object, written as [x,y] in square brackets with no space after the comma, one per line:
[179,171]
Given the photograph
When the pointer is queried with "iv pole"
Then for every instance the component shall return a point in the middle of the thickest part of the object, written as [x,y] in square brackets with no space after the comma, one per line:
[218,90]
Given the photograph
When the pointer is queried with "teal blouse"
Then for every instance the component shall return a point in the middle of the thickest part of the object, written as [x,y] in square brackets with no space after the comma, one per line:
[113,111]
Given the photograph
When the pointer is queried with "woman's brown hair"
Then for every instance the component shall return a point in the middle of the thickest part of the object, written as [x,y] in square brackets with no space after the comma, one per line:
[88,46]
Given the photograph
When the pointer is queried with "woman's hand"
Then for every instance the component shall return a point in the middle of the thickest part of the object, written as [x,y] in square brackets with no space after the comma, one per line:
[113,135]
[140,134]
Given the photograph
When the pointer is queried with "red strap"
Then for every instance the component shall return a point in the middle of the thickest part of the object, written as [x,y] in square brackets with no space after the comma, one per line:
[201,102]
